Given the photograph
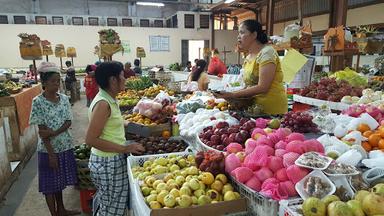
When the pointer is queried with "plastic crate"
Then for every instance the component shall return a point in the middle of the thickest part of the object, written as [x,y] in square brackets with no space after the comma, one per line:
[147,131]
[258,204]
[191,140]
[290,207]
[137,199]
[86,199]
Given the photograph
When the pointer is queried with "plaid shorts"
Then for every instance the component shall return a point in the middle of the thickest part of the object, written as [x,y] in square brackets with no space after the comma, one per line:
[109,174]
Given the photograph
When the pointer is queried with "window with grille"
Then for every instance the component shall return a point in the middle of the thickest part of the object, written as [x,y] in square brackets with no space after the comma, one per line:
[41,20]
[204,21]
[189,21]
[77,20]
[126,22]
[93,21]
[168,23]
[174,21]
[144,23]
[158,23]
[57,20]
[19,20]
[112,22]
[3,19]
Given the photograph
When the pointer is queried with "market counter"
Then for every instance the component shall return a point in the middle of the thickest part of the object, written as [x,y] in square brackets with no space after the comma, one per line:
[20,137]
[5,168]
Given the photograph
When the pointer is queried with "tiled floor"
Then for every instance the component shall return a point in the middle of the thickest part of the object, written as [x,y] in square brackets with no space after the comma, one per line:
[23,198]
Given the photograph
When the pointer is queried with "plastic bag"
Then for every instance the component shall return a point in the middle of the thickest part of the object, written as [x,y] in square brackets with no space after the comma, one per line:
[148,108]
[351,157]
[163,98]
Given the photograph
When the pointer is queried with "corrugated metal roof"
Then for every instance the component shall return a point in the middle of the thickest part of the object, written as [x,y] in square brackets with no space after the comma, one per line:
[314,6]
[285,10]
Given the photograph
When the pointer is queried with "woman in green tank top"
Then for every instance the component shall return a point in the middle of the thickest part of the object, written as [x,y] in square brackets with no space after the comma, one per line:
[106,136]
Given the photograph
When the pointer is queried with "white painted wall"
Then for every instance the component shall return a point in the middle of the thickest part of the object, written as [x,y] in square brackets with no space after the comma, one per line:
[85,38]
[227,38]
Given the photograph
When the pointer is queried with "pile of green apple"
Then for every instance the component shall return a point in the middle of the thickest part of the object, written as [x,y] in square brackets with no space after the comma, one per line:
[163,165]
[184,187]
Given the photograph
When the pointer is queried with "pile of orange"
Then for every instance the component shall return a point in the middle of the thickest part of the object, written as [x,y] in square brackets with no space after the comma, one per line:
[375,138]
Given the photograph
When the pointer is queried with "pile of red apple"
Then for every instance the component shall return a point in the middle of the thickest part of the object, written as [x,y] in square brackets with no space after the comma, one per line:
[331,90]
[222,134]
[210,161]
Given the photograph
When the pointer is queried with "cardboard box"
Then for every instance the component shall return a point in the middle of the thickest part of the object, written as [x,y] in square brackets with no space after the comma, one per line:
[217,209]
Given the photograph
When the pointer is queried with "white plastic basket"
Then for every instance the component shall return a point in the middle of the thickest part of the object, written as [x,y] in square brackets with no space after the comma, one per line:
[290,207]
[257,204]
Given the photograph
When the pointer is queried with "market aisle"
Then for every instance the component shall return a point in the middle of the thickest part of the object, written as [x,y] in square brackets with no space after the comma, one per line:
[33,202]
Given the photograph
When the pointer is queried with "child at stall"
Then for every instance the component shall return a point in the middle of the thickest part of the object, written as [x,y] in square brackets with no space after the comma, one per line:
[90,85]
[51,112]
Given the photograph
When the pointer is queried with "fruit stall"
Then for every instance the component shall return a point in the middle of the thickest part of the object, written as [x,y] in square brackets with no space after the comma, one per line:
[16,106]
[202,154]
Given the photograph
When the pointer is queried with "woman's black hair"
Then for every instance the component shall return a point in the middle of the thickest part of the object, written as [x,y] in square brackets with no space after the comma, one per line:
[201,64]
[254,26]
[136,62]
[107,70]
[44,77]
[88,69]
[68,63]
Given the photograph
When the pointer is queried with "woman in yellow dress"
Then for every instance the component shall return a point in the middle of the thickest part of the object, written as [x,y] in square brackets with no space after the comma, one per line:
[262,74]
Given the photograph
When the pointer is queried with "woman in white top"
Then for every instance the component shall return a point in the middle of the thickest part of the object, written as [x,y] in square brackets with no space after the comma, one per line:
[199,75]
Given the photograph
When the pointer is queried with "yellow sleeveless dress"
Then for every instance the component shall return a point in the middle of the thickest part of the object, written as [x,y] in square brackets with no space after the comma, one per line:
[273,102]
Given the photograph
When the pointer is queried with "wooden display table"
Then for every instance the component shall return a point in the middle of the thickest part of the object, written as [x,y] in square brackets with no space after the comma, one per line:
[20,137]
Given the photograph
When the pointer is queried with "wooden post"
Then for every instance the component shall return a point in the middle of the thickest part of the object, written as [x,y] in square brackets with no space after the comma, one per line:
[46,57]
[299,11]
[35,70]
[72,62]
[337,17]
[225,55]
[61,63]
[270,16]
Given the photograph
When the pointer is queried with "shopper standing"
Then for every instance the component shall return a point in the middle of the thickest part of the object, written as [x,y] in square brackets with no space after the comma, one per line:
[128,72]
[90,85]
[70,81]
[106,135]
[188,67]
[51,111]
[199,75]
[137,68]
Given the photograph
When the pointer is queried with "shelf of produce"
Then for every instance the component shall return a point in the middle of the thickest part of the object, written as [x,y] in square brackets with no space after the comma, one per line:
[316,102]
[16,109]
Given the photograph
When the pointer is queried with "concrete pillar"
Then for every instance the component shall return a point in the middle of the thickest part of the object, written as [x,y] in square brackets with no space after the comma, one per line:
[35,6]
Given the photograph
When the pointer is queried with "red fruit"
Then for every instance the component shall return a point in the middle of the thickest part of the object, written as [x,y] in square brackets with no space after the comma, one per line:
[223,137]
[222,125]
[239,138]
[232,130]
[232,136]
[220,147]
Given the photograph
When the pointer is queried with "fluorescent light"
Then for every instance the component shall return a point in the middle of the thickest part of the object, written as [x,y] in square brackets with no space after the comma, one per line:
[150,4]
[228,1]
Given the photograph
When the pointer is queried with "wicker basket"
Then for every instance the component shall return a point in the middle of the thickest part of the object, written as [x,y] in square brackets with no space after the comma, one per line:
[33,52]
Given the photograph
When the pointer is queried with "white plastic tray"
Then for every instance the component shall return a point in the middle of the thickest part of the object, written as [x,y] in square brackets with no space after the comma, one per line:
[342,181]
[342,174]
[297,162]
[316,102]
[316,173]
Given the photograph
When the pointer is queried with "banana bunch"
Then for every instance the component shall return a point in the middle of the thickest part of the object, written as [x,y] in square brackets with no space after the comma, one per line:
[138,83]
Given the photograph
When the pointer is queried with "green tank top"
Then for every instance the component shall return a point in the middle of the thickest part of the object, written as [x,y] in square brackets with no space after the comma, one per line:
[114,127]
